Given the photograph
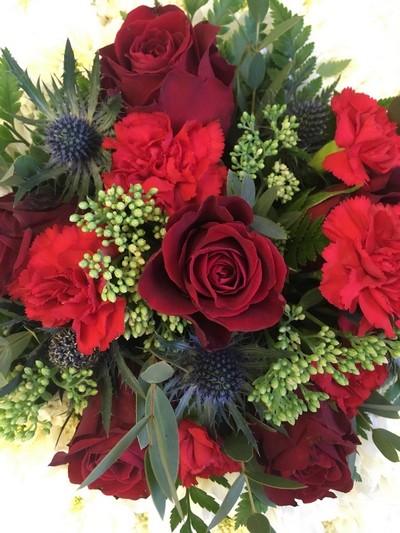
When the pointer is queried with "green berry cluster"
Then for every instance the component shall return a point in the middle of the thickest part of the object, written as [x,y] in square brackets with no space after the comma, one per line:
[284,392]
[20,409]
[252,148]
[285,181]
[132,222]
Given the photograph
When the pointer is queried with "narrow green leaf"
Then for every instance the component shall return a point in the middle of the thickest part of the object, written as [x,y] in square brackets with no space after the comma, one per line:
[229,501]
[264,203]
[267,227]
[106,399]
[126,374]
[157,494]
[319,197]
[257,523]
[238,447]
[122,445]
[258,9]
[256,72]
[94,88]
[69,78]
[163,441]
[311,298]
[276,482]
[157,373]
[391,437]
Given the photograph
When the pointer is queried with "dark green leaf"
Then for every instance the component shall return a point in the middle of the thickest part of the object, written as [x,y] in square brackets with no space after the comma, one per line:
[319,197]
[332,68]
[229,501]
[245,508]
[311,298]
[280,30]
[112,456]
[238,447]
[69,78]
[257,523]
[106,399]
[256,72]
[157,494]
[267,227]
[198,524]
[394,110]
[10,94]
[157,373]
[258,9]
[385,444]
[276,482]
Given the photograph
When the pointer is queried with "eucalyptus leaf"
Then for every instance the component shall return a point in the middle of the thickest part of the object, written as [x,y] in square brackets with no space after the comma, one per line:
[233,184]
[157,494]
[257,523]
[265,201]
[268,228]
[157,373]
[229,501]
[248,190]
[112,456]
[238,447]
[256,71]
[276,482]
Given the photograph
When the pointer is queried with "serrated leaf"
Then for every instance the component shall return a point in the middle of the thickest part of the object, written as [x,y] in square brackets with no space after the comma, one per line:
[268,228]
[332,68]
[112,456]
[203,499]
[280,30]
[69,77]
[126,374]
[257,523]
[258,9]
[198,524]
[192,6]
[10,93]
[229,501]
[245,508]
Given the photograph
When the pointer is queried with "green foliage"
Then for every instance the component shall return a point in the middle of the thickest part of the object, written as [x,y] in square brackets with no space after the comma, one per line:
[246,507]
[306,242]
[192,6]
[387,443]
[223,13]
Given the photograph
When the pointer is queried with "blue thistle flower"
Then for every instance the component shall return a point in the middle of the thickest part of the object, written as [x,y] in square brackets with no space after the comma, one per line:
[209,385]
[72,140]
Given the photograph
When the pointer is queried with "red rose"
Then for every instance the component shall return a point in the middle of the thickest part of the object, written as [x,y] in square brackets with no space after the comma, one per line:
[359,389]
[313,452]
[57,291]
[200,456]
[368,138]
[90,444]
[215,272]
[19,225]
[160,62]
[184,168]
[362,269]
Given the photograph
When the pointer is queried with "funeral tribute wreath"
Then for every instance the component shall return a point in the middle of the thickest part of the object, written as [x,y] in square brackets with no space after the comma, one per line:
[200,254]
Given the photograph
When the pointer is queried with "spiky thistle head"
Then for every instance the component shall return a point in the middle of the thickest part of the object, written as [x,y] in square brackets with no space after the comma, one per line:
[313,117]
[64,352]
[72,119]
[208,385]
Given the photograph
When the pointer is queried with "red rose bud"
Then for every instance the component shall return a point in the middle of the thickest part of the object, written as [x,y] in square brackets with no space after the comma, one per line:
[367,137]
[159,61]
[56,291]
[90,444]
[214,271]
[362,263]
[313,452]
[200,456]
[184,167]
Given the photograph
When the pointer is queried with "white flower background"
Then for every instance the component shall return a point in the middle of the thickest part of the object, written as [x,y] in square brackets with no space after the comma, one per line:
[37,498]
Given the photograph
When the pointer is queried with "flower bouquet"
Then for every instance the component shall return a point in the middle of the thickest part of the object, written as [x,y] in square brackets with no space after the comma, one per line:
[200,257]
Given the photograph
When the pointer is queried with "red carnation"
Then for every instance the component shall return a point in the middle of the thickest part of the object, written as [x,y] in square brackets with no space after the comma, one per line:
[57,291]
[368,138]
[184,167]
[362,268]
